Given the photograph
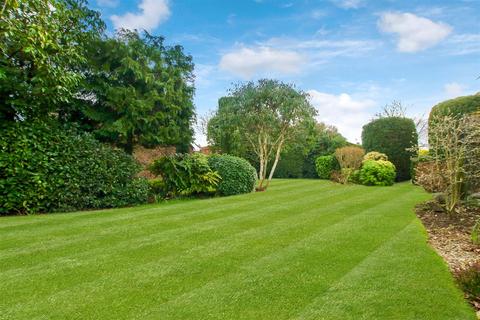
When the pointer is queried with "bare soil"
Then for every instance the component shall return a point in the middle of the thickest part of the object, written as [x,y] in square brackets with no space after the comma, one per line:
[450,236]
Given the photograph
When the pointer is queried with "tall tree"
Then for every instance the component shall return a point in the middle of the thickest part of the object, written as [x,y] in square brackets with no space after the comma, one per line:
[139,91]
[264,116]
[42,49]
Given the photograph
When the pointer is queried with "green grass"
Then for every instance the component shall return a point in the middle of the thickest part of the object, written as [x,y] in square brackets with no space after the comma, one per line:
[305,249]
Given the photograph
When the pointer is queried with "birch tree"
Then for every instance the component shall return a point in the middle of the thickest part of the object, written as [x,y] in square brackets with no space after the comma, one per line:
[266,114]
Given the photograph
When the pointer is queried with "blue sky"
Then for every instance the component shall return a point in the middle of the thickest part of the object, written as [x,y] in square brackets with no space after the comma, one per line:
[352,56]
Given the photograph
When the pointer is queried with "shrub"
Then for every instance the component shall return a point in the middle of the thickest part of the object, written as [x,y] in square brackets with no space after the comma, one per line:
[238,175]
[455,107]
[377,173]
[350,159]
[45,168]
[158,189]
[290,164]
[374,155]
[469,281]
[325,165]
[428,176]
[186,174]
[395,137]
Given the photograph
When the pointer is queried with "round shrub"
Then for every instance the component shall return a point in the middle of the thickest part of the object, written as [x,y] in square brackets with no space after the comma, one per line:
[374,155]
[238,176]
[395,137]
[45,168]
[325,165]
[377,173]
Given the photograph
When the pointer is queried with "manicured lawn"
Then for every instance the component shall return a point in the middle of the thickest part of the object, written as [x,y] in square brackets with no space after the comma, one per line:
[305,249]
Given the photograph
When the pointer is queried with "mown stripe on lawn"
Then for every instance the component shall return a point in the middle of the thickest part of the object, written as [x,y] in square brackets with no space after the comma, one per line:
[202,251]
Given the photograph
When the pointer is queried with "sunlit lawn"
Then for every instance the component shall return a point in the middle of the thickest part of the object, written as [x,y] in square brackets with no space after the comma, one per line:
[305,249]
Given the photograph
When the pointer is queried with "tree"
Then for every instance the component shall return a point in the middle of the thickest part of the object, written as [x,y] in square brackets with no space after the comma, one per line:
[326,140]
[455,149]
[42,49]
[264,116]
[139,91]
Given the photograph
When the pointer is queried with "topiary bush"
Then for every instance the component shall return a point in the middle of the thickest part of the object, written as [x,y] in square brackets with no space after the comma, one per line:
[377,173]
[457,107]
[186,174]
[394,136]
[46,168]
[325,165]
[238,175]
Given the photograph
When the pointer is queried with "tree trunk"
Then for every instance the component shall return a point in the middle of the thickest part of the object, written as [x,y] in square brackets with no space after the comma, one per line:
[277,157]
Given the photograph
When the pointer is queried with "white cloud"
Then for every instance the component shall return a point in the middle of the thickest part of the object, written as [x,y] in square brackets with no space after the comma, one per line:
[414,33]
[344,111]
[453,89]
[248,62]
[348,4]
[152,14]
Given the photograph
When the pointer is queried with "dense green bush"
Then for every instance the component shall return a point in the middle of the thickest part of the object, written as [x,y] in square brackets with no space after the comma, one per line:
[186,174]
[238,176]
[45,168]
[325,165]
[456,107]
[291,164]
[374,155]
[394,136]
[377,173]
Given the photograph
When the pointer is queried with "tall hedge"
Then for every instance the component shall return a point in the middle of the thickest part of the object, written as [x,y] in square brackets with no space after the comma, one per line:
[454,107]
[45,168]
[457,106]
[392,136]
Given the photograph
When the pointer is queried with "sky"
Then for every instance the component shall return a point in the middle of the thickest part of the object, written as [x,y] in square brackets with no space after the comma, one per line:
[351,56]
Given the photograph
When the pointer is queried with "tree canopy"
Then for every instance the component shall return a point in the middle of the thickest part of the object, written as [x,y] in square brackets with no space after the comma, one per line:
[139,91]
[42,48]
[261,116]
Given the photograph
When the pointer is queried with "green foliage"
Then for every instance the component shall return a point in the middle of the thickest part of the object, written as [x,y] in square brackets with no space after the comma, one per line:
[377,173]
[326,139]
[395,137]
[455,107]
[157,189]
[42,48]
[143,92]
[186,174]
[238,176]
[260,118]
[325,165]
[374,155]
[469,281]
[46,168]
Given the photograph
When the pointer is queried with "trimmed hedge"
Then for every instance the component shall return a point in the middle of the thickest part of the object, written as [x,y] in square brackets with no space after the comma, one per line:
[45,168]
[394,136]
[325,165]
[238,175]
[454,107]
[377,173]
[458,106]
